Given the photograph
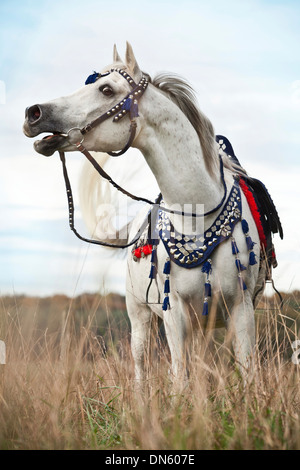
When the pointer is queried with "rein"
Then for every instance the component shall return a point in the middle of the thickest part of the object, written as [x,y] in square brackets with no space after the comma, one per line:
[129,104]
[71,214]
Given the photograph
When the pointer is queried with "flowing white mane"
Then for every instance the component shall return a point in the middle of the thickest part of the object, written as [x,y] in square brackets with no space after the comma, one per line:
[178,90]
[182,94]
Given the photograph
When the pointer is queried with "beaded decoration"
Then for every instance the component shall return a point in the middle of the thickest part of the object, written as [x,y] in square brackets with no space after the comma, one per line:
[190,252]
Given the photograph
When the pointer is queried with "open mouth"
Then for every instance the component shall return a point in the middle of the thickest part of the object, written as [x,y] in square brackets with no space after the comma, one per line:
[51,143]
[49,137]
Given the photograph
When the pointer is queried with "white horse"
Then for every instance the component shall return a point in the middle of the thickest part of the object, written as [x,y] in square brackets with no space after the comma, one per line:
[178,143]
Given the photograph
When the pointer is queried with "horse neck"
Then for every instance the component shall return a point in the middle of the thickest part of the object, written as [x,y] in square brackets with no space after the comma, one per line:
[173,152]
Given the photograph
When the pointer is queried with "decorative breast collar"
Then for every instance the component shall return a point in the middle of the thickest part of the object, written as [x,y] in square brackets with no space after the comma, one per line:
[195,250]
[191,251]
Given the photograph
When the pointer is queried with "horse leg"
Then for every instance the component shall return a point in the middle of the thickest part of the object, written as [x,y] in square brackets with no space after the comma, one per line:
[242,328]
[176,328]
[140,339]
[140,319]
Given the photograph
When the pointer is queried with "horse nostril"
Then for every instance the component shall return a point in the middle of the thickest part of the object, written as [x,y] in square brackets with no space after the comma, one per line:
[33,113]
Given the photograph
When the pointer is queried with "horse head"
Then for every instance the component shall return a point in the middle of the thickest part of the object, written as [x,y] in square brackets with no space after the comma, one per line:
[64,118]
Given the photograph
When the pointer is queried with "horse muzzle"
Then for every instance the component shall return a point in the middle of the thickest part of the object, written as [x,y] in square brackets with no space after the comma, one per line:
[38,119]
[33,124]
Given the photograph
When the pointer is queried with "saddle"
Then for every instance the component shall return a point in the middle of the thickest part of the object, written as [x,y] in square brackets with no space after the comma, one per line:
[260,203]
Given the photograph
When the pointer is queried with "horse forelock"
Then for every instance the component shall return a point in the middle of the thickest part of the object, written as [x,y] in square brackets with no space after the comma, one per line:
[182,94]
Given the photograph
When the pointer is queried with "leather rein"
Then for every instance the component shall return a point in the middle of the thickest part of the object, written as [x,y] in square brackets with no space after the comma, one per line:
[128,105]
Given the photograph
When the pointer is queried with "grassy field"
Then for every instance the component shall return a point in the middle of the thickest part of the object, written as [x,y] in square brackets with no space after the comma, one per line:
[68,382]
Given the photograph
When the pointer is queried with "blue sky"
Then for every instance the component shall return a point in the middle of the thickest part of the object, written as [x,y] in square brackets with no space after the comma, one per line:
[241,57]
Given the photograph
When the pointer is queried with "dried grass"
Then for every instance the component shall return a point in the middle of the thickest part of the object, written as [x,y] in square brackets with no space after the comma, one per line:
[62,388]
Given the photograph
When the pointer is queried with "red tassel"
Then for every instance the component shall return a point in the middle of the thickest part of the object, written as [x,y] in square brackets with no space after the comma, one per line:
[147,250]
[138,252]
[143,251]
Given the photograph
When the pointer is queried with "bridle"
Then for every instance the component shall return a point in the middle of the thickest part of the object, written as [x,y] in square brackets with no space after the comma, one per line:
[128,105]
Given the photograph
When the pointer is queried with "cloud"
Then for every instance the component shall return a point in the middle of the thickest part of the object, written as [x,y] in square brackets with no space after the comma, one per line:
[240,58]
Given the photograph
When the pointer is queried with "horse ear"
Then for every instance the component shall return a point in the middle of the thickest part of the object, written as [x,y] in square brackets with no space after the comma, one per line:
[131,60]
[116,56]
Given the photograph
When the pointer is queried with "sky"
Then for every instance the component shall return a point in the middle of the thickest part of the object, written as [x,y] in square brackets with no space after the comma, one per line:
[242,59]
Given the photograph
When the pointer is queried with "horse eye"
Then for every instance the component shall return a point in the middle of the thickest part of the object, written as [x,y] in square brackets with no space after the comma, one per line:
[106,90]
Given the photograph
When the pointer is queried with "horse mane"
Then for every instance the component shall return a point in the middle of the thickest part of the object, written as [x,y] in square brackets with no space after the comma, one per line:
[182,94]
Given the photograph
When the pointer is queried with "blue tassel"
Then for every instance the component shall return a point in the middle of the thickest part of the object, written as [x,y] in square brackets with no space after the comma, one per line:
[252,259]
[207,286]
[250,243]
[153,272]
[166,303]
[245,226]
[167,286]
[127,105]
[239,265]
[154,255]
[92,78]
[234,247]
[242,283]
[167,267]
[206,268]
[205,308]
